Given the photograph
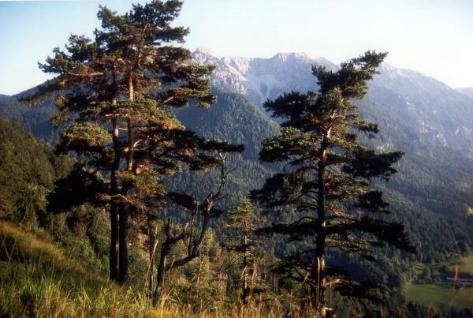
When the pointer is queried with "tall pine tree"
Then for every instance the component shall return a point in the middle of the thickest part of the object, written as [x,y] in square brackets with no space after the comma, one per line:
[326,196]
[116,92]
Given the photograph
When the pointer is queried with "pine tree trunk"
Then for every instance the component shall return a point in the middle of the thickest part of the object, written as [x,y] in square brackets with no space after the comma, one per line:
[321,234]
[123,227]
[153,243]
[113,241]
[320,249]
[131,142]
[131,99]
[124,209]
[123,244]
[114,204]
[160,274]
[151,240]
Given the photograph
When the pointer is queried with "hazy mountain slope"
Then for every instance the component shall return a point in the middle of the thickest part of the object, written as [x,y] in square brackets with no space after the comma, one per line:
[235,119]
[36,119]
[436,112]
[427,119]
[468,91]
[437,165]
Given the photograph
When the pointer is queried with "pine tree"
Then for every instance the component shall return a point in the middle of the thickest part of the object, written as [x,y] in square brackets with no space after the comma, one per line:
[154,77]
[326,194]
[115,93]
[240,225]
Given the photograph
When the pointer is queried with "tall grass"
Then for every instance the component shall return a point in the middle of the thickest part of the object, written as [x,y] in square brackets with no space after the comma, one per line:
[39,279]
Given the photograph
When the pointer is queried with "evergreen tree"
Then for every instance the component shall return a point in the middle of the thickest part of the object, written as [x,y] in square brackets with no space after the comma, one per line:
[240,225]
[115,93]
[326,194]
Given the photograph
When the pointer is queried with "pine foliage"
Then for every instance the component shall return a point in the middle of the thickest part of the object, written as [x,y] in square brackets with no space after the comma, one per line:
[326,195]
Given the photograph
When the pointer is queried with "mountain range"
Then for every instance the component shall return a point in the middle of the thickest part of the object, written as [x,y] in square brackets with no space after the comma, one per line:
[438,113]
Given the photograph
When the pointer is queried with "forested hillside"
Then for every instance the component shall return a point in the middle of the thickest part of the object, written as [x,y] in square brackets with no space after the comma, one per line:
[36,119]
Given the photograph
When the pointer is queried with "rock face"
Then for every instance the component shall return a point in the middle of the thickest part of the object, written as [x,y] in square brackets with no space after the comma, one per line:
[431,110]
[261,78]
[427,110]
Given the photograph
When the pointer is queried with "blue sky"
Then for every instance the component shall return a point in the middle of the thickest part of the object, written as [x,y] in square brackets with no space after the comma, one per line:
[434,37]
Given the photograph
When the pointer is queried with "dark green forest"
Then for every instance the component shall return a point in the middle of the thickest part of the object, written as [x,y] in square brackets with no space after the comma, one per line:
[131,186]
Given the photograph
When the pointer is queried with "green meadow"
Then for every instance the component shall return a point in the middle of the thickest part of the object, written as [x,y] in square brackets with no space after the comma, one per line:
[440,295]
[443,295]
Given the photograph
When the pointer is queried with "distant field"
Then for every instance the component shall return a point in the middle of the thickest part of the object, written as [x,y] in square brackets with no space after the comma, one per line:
[466,264]
[439,296]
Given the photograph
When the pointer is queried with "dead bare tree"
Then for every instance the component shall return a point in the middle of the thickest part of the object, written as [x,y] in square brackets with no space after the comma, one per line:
[193,230]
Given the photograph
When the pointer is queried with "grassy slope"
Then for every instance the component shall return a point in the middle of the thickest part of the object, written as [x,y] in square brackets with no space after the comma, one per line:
[39,279]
